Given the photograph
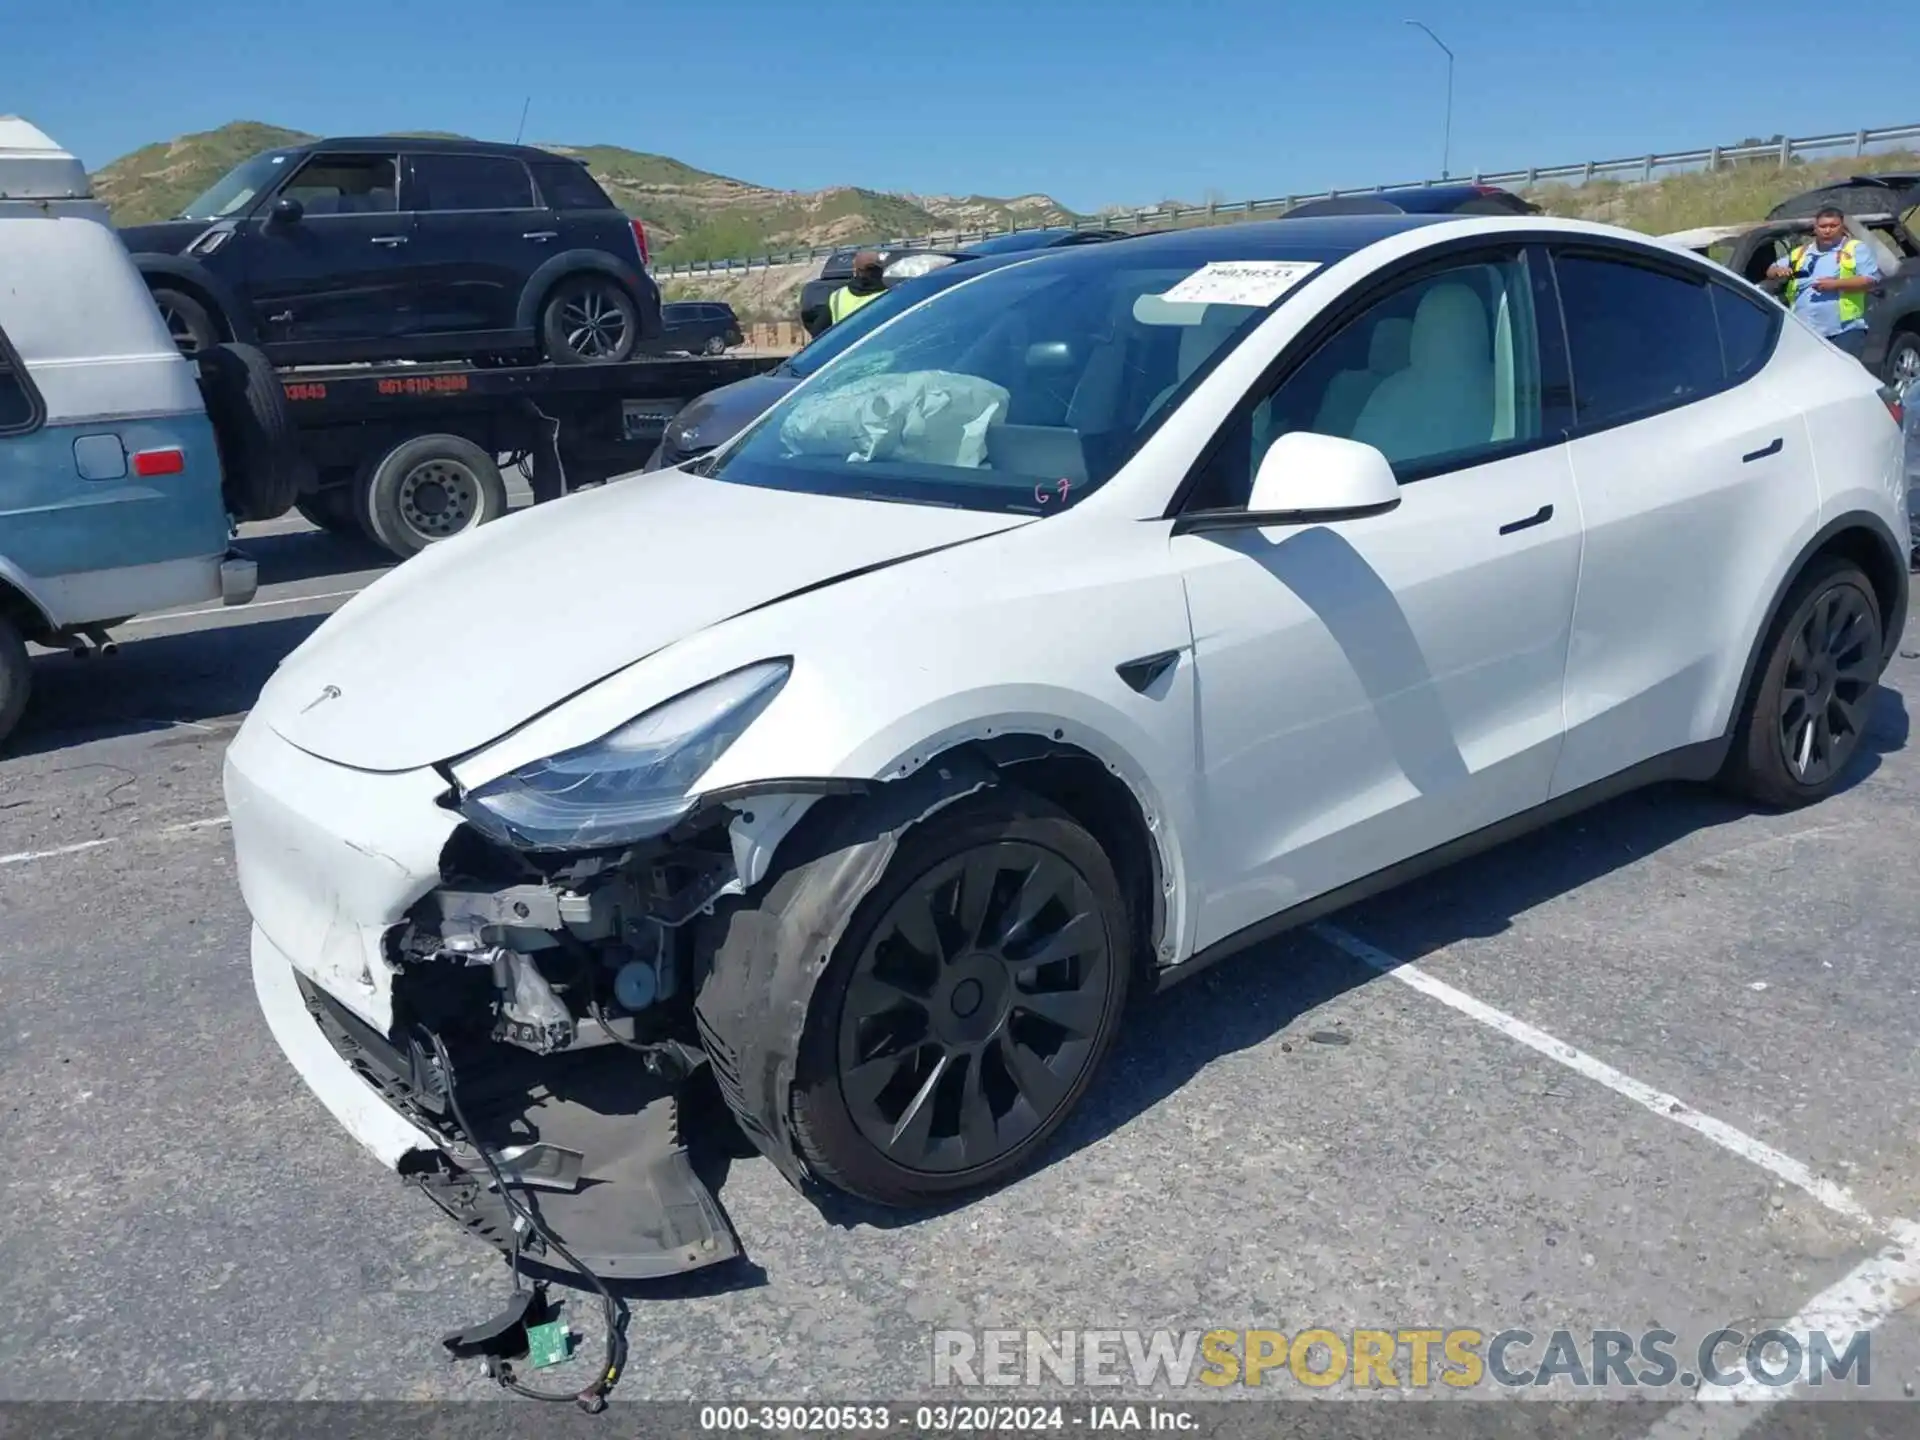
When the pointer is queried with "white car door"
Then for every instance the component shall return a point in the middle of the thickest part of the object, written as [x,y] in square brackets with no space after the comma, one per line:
[1692,461]
[1372,688]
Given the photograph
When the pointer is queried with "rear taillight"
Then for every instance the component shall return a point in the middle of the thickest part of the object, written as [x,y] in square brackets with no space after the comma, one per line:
[149,463]
[640,239]
[1896,406]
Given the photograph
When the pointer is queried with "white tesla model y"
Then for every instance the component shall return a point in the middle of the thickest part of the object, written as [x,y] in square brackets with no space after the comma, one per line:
[1086,622]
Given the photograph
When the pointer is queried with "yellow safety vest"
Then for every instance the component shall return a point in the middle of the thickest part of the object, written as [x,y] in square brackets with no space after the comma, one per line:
[843,302]
[1853,303]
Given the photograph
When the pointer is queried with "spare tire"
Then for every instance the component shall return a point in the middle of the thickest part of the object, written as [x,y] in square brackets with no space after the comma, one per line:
[262,468]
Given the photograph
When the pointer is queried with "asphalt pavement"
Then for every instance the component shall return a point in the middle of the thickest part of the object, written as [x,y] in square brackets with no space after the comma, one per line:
[1652,1068]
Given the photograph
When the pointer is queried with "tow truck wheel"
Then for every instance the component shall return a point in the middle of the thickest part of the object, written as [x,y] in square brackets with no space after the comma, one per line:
[429,489]
[331,510]
[16,677]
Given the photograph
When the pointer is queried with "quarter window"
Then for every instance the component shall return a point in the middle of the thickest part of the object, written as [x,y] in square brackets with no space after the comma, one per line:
[19,401]
[470,182]
[1442,372]
[1747,331]
[1639,340]
[345,185]
[567,186]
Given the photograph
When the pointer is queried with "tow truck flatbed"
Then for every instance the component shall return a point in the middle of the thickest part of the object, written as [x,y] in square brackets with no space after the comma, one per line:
[408,454]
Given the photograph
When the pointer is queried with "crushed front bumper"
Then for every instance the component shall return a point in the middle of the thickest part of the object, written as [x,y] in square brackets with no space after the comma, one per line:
[331,860]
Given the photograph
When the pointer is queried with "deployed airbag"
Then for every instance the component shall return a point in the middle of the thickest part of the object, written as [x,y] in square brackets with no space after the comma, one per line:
[934,417]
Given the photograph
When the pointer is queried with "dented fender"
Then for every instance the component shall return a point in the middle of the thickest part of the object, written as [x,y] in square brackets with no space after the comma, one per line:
[760,963]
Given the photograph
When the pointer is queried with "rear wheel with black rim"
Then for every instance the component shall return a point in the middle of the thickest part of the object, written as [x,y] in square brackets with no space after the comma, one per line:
[968,1006]
[1813,699]
[429,489]
[589,320]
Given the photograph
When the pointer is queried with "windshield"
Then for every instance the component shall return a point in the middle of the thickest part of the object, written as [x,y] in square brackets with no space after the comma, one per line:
[234,191]
[1023,390]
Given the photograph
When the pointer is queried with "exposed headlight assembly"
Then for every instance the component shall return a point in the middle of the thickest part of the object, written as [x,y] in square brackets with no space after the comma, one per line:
[631,783]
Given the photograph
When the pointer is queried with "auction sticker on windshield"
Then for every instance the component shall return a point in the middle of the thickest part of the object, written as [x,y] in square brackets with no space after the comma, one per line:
[1241,282]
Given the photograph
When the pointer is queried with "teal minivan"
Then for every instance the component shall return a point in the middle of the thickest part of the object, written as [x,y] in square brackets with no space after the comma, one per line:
[111,499]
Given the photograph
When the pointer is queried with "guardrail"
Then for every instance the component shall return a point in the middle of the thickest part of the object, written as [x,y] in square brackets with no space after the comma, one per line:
[1639,167]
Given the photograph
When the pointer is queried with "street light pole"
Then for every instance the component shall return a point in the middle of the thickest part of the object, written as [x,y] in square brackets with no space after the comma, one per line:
[1446,144]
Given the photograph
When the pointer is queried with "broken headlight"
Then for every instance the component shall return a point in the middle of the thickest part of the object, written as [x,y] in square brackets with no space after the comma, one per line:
[632,783]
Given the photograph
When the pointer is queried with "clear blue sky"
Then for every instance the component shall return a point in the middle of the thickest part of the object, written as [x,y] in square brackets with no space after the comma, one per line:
[1093,101]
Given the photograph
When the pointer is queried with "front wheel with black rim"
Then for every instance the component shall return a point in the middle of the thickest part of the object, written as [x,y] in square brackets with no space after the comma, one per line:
[1813,699]
[429,489]
[589,320]
[967,1007]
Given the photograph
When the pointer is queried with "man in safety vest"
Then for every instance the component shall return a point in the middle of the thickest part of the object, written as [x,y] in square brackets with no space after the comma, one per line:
[867,286]
[1827,282]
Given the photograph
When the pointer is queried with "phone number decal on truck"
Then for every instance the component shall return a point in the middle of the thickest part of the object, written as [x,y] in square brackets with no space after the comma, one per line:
[424,385]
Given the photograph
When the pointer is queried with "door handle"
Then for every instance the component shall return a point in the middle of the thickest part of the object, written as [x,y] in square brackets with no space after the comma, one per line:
[389,239]
[1539,517]
[1764,451]
[542,236]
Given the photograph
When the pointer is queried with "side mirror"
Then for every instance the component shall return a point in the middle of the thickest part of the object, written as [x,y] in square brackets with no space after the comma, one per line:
[1322,476]
[287,210]
[1308,479]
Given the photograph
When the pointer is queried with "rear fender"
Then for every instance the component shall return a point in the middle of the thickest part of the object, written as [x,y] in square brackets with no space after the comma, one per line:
[575,262]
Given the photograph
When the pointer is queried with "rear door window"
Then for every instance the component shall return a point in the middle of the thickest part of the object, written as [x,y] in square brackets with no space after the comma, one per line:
[1640,339]
[20,407]
[470,182]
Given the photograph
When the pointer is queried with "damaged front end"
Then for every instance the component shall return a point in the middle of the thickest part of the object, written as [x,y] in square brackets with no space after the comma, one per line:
[560,990]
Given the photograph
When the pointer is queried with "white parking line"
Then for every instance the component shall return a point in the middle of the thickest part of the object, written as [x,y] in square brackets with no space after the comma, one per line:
[186,827]
[1861,1300]
[250,606]
[1667,1107]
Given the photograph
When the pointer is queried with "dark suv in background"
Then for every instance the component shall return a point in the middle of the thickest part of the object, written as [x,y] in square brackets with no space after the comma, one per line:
[403,249]
[700,327]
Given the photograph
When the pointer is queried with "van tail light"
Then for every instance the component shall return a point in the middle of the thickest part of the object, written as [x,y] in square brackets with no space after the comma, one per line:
[1895,402]
[640,239]
[149,463]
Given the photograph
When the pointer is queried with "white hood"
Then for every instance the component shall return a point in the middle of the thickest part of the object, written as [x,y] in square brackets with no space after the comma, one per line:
[478,634]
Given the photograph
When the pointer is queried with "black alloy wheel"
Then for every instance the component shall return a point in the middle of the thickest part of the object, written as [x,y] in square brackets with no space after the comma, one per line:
[978,1003]
[1833,665]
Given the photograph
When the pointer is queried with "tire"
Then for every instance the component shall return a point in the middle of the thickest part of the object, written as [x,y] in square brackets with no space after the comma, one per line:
[16,677]
[428,489]
[716,345]
[589,319]
[331,510]
[971,1009]
[1787,750]
[262,470]
[1901,368]
[192,325]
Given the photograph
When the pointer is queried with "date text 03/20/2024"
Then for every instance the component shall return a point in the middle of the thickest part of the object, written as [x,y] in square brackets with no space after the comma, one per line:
[938,1419]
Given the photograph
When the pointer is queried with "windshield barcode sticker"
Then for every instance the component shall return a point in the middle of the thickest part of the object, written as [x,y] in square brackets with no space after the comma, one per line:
[1241,282]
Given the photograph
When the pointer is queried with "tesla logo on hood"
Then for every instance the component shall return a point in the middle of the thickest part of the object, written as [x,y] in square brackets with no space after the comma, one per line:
[332,692]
